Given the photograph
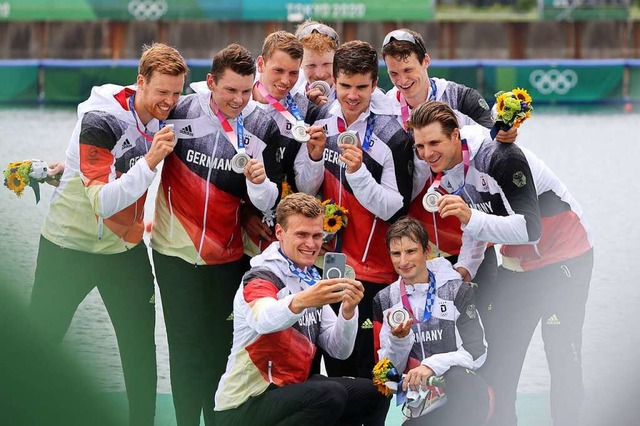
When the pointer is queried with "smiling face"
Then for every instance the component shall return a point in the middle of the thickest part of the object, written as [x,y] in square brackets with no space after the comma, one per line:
[409,260]
[318,66]
[354,94]
[410,76]
[232,92]
[301,238]
[157,95]
[279,73]
[440,151]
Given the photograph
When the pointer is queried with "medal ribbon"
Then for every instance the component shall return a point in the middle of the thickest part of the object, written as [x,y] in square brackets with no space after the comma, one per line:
[231,135]
[465,160]
[431,298]
[342,126]
[404,106]
[309,276]
[278,106]
[293,107]
[135,118]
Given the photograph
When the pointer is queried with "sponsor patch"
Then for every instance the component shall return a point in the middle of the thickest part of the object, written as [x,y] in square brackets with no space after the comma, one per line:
[471,311]
[519,179]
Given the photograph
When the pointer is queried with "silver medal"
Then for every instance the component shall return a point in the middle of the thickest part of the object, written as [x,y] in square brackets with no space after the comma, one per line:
[349,272]
[239,161]
[175,135]
[299,132]
[430,201]
[322,85]
[398,316]
[348,137]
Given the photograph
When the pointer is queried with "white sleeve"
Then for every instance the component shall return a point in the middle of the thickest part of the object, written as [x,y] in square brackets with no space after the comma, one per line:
[382,199]
[471,254]
[395,348]
[269,315]
[337,334]
[123,191]
[264,195]
[511,229]
[309,173]
[442,362]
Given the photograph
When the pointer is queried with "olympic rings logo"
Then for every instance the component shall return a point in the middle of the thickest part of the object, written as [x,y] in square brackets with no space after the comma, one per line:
[148,10]
[547,82]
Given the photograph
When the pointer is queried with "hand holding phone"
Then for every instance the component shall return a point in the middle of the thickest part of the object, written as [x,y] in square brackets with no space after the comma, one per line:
[334,265]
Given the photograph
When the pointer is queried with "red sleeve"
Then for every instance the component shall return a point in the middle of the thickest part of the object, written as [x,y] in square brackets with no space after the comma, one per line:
[257,288]
[95,164]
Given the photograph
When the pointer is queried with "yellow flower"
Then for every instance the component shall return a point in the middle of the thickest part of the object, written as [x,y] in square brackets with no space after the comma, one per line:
[522,95]
[500,103]
[381,387]
[16,183]
[333,223]
[381,369]
[286,189]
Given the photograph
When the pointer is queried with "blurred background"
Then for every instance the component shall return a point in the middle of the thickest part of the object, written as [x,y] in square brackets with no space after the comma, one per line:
[560,50]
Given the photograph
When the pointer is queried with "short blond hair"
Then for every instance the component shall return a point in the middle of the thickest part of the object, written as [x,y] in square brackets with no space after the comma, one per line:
[282,40]
[298,203]
[162,59]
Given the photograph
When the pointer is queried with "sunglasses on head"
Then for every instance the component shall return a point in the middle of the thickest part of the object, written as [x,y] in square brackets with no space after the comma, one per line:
[402,35]
[320,29]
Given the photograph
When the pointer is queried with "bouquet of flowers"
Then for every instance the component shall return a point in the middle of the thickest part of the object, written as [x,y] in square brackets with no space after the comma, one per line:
[415,403]
[511,109]
[383,372]
[19,175]
[335,218]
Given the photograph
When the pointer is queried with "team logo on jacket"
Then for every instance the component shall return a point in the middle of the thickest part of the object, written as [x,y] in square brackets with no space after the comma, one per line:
[471,311]
[519,179]
[444,313]
[93,154]
[483,104]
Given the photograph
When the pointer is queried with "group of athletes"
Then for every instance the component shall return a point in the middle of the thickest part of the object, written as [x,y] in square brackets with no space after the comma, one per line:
[434,206]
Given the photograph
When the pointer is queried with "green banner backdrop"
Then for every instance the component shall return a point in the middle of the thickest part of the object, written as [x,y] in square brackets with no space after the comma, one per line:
[634,80]
[581,10]
[564,81]
[216,10]
[69,81]
[19,81]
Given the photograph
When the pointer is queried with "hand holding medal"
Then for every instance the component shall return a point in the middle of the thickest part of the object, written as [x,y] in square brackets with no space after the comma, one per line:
[239,161]
[400,322]
[322,86]
[318,92]
[352,157]
[175,136]
[254,171]
[299,132]
[348,137]
[430,201]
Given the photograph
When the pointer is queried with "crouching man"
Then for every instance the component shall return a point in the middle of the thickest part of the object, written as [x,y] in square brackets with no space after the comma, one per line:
[281,312]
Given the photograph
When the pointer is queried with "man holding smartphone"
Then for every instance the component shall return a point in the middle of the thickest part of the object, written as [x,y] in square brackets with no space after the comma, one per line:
[282,308]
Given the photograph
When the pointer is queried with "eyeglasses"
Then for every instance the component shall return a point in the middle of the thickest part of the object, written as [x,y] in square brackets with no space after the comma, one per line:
[320,29]
[403,35]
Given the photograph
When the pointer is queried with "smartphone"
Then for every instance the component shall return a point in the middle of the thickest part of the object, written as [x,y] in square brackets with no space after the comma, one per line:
[334,265]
